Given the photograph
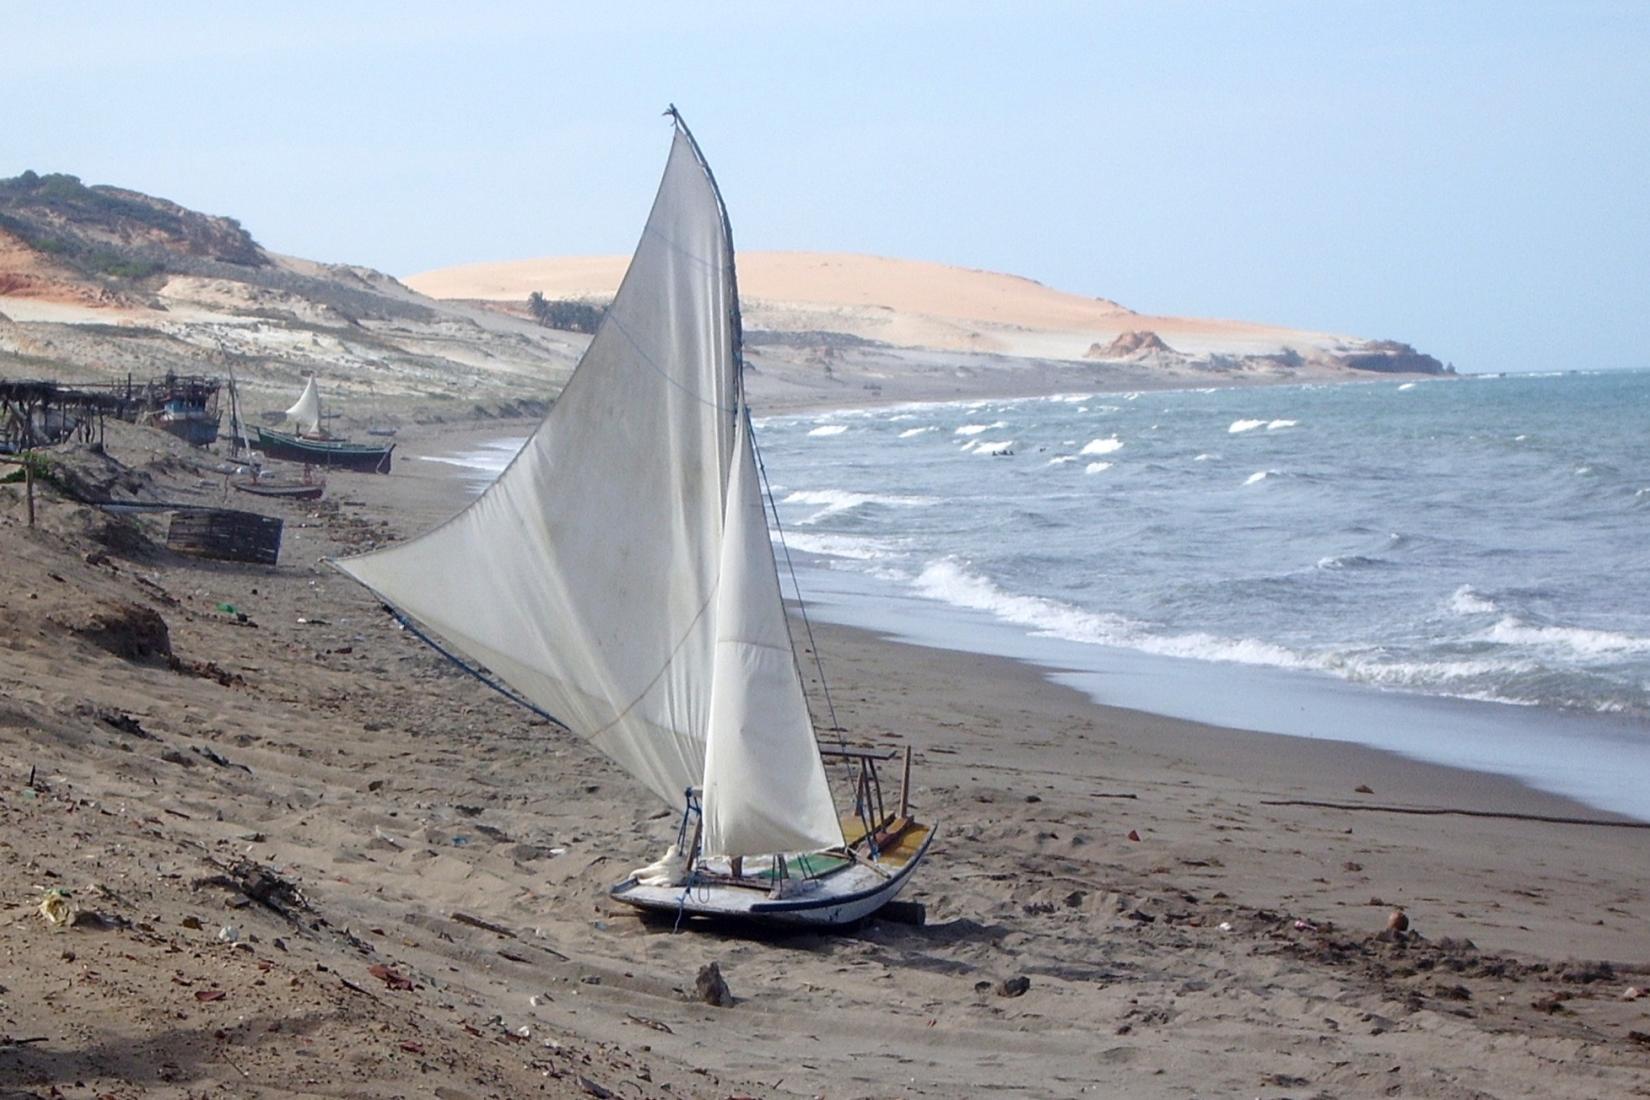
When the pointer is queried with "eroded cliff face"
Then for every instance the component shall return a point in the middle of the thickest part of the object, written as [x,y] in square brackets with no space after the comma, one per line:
[1134,343]
[27,272]
[1141,346]
[1392,357]
[110,233]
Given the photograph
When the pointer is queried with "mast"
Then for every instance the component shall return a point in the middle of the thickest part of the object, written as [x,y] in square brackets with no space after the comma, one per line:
[742,405]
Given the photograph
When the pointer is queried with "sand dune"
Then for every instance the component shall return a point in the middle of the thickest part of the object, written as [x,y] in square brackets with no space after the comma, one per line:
[909,303]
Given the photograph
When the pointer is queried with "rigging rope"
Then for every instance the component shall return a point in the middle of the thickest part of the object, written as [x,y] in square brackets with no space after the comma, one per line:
[790,567]
[861,809]
[503,689]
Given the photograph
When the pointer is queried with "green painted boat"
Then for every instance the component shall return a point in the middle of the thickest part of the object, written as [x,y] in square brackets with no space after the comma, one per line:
[335,453]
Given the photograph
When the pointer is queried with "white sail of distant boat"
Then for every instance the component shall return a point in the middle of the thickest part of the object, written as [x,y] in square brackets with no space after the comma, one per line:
[620,576]
[306,412]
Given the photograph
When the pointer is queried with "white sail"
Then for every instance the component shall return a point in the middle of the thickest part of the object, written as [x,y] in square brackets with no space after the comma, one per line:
[591,575]
[306,413]
[765,787]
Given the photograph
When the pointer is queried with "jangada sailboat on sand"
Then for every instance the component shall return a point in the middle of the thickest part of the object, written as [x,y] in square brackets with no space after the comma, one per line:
[311,445]
[619,575]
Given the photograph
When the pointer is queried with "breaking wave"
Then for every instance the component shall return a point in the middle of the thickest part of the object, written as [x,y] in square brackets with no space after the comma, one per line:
[1576,640]
[853,547]
[1349,561]
[1467,600]
[947,582]
[836,501]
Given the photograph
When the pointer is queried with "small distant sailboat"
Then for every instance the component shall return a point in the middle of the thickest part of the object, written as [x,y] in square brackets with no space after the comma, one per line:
[619,575]
[251,478]
[311,445]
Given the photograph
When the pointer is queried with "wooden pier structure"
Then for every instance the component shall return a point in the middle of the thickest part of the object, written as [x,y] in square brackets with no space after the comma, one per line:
[41,412]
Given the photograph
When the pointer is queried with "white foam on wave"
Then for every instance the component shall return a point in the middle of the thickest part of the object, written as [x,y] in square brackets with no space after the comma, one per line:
[1096,467]
[976,429]
[1204,457]
[1068,398]
[948,582]
[489,459]
[1578,641]
[1061,460]
[1370,668]
[834,501]
[1258,476]
[1467,600]
[1456,679]
[897,417]
[1406,386]
[829,429]
[987,447]
[1274,425]
[839,546]
[909,432]
[1482,678]
[1244,426]
[1346,561]
[1102,446]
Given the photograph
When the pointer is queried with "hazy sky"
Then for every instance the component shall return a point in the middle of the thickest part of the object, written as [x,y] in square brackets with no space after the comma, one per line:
[1472,178]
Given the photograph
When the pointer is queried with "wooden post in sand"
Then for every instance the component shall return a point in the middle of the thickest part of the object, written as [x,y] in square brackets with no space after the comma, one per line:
[28,482]
[905,785]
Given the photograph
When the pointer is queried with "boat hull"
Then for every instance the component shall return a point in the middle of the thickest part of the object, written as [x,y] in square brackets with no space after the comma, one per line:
[288,492]
[839,899]
[325,452]
[197,431]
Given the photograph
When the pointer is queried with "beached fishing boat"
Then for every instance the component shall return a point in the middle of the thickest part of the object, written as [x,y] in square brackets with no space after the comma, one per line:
[187,407]
[337,453]
[627,588]
[311,445]
[306,489]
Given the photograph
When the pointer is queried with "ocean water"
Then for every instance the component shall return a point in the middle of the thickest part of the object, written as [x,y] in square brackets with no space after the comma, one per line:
[1455,569]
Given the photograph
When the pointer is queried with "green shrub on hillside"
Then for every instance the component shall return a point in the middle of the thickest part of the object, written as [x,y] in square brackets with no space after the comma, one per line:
[569,315]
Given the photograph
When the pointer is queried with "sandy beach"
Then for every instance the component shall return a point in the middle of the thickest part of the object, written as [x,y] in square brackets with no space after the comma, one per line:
[310,857]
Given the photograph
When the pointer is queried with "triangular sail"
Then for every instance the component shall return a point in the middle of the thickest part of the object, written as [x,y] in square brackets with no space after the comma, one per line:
[306,413]
[587,576]
[765,787]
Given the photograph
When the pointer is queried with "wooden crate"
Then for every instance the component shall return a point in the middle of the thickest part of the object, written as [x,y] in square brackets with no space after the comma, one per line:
[226,534]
